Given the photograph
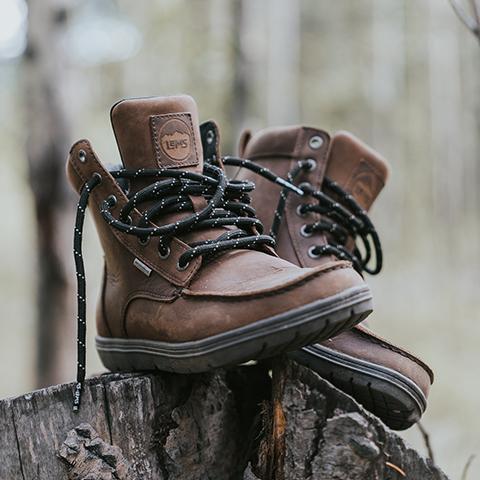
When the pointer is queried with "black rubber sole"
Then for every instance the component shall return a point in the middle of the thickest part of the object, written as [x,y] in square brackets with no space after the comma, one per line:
[272,336]
[388,394]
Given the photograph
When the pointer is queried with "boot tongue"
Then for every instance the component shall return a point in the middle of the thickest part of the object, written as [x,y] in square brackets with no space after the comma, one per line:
[158,132]
[357,168]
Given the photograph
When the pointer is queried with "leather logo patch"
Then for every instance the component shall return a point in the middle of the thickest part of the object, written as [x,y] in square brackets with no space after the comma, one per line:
[365,184]
[173,139]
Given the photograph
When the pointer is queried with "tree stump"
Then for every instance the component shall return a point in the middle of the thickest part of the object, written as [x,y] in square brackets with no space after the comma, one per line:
[275,420]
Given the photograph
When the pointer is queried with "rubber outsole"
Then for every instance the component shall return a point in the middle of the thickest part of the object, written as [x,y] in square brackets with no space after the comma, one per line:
[388,394]
[265,338]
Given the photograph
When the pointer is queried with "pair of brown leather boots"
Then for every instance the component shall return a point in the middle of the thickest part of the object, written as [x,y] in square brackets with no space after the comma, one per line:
[205,271]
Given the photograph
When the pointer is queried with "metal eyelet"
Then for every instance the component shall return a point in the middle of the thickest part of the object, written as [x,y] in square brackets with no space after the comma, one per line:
[305,185]
[165,255]
[112,200]
[182,268]
[126,191]
[210,137]
[82,156]
[311,252]
[144,241]
[299,211]
[304,232]
[311,165]
[315,142]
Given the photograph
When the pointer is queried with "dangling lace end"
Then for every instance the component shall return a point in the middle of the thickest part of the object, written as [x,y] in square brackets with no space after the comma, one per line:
[77,396]
[81,287]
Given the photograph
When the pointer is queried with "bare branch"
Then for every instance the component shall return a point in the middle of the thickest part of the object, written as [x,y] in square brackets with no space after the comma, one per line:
[426,439]
[465,18]
[476,12]
[467,466]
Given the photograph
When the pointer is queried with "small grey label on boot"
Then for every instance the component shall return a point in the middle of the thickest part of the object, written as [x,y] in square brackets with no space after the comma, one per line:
[146,270]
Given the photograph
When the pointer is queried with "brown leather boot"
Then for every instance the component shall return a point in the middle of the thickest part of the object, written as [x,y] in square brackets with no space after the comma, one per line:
[341,177]
[190,281]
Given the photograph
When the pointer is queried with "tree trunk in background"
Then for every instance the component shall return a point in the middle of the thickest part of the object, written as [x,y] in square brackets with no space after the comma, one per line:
[240,79]
[47,146]
[387,82]
[447,118]
[283,62]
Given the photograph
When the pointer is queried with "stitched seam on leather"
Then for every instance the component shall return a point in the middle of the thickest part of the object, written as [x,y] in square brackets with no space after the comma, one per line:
[120,238]
[102,299]
[403,353]
[271,293]
[299,153]
[292,235]
[78,142]
[116,234]
[193,138]
[146,296]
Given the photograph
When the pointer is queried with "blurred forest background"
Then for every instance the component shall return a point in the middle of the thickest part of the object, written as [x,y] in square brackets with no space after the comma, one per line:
[402,75]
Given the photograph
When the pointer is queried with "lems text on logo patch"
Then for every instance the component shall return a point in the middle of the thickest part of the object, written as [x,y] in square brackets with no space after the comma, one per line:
[176,145]
[173,140]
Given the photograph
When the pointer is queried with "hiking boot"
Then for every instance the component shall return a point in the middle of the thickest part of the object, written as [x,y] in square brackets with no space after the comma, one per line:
[340,178]
[190,282]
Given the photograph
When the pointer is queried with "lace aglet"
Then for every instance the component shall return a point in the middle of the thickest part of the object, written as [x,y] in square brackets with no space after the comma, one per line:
[77,396]
[290,186]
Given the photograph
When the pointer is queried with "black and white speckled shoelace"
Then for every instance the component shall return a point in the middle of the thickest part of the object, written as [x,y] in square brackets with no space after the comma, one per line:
[170,192]
[342,217]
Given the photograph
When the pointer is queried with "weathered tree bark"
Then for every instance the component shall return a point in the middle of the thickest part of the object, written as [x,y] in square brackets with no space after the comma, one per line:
[241,423]
[47,145]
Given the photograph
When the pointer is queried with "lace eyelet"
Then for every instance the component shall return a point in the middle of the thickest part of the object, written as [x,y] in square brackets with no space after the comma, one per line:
[305,186]
[311,252]
[299,211]
[165,255]
[82,156]
[304,232]
[315,142]
[143,241]
[126,190]
[181,268]
[210,137]
[311,165]
[111,200]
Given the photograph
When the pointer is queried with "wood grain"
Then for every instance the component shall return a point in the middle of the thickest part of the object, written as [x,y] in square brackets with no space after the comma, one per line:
[220,425]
